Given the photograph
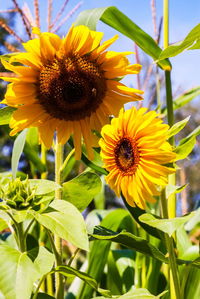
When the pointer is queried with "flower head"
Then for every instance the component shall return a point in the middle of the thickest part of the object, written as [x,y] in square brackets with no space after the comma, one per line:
[134,150]
[68,85]
[17,194]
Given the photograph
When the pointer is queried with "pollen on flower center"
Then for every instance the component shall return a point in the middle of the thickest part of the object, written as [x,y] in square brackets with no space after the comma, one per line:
[71,88]
[126,155]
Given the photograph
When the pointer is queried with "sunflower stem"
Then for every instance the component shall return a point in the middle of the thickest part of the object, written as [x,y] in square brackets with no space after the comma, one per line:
[174,279]
[44,160]
[58,196]
[169,209]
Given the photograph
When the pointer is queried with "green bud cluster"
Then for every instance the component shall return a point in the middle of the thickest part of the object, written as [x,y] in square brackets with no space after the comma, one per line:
[17,194]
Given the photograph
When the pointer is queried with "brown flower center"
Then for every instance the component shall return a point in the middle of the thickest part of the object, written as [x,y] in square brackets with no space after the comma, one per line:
[71,88]
[126,156]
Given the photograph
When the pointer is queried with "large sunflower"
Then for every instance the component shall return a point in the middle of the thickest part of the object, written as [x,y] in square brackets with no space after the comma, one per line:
[134,149]
[68,85]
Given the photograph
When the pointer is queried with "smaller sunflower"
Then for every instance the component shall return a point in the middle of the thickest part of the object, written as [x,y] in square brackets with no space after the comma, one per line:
[134,149]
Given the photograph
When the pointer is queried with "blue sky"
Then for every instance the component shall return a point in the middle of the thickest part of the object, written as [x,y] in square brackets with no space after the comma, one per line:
[184,15]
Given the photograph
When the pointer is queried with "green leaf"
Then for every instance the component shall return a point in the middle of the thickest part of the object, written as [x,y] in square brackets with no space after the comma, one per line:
[120,274]
[70,272]
[187,44]
[171,189]
[137,294]
[182,151]
[183,99]
[117,219]
[136,212]
[17,151]
[17,273]
[43,186]
[3,224]
[44,261]
[129,240]
[66,222]
[193,221]
[119,21]
[194,133]
[168,226]
[33,157]
[192,287]
[177,127]
[44,296]
[5,115]
[81,190]
[93,165]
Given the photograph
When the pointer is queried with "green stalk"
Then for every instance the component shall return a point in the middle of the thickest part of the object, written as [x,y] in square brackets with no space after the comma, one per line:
[44,160]
[171,205]
[170,110]
[58,196]
[174,282]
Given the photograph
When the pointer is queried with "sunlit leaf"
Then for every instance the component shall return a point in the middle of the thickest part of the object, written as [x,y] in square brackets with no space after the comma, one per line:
[81,190]
[182,151]
[65,221]
[17,151]
[43,186]
[69,271]
[183,99]
[17,273]
[3,224]
[168,226]
[194,133]
[44,261]
[187,44]
[172,189]
[119,21]
[177,127]
[5,115]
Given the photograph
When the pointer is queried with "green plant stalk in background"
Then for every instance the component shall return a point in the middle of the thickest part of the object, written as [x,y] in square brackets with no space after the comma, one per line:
[58,196]
[171,205]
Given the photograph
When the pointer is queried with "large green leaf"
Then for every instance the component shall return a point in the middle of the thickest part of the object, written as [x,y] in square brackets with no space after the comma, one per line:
[168,226]
[43,186]
[191,41]
[82,189]
[177,127]
[119,21]
[5,115]
[17,273]
[183,99]
[182,151]
[17,151]
[65,221]
[129,240]
[69,271]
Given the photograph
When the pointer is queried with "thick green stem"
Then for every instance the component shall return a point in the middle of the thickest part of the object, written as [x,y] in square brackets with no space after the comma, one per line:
[174,282]
[58,196]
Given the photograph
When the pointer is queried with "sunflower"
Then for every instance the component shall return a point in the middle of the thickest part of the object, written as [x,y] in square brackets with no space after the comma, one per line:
[134,148]
[68,85]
